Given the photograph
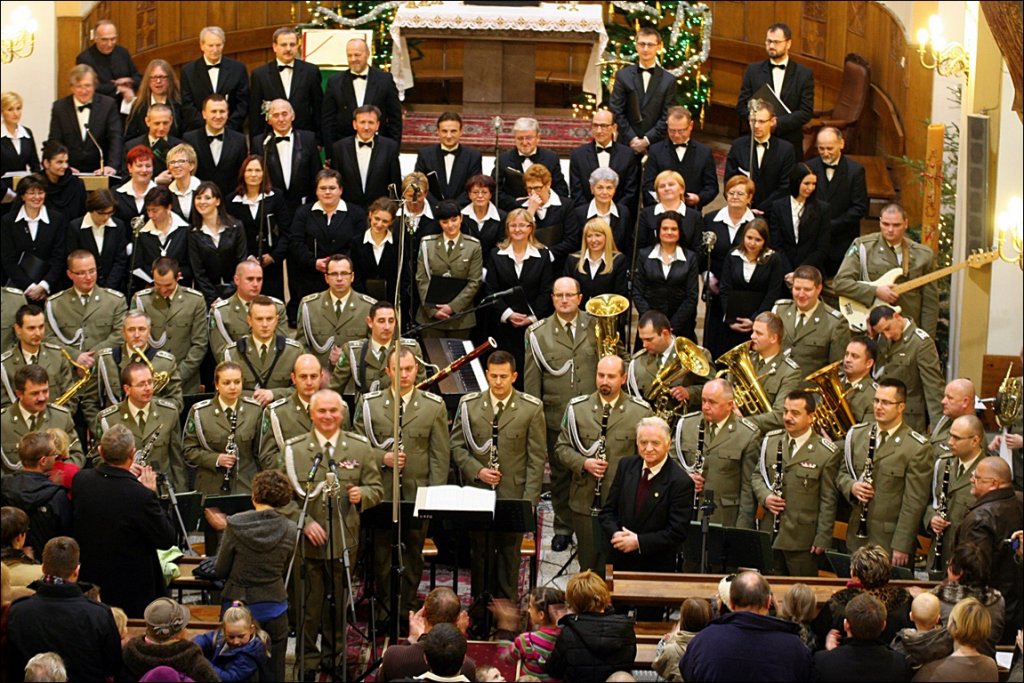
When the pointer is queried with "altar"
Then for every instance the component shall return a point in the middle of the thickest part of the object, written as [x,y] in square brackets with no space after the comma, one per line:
[500,59]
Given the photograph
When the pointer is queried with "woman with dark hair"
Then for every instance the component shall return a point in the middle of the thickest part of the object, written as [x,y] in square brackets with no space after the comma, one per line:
[33,242]
[671,190]
[131,197]
[18,151]
[750,283]
[159,84]
[967,576]
[598,266]
[65,192]
[216,244]
[165,233]
[667,277]
[800,223]
[603,184]
[254,203]
[483,219]
[105,236]
[375,255]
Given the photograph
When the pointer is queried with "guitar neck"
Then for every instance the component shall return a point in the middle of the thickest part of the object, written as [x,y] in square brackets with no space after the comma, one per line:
[904,287]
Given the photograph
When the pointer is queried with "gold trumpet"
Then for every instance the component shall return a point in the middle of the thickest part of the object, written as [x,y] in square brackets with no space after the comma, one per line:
[748,394]
[688,358]
[160,379]
[833,416]
[77,386]
[607,308]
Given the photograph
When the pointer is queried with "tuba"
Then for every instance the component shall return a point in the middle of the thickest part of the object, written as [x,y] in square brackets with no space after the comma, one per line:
[688,357]
[160,379]
[746,385]
[833,416]
[607,308]
[77,386]
[1008,400]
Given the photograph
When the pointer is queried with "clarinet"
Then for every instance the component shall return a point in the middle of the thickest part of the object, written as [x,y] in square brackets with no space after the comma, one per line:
[777,488]
[231,449]
[142,454]
[492,458]
[698,459]
[868,478]
[401,445]
[942,509]
[602,455]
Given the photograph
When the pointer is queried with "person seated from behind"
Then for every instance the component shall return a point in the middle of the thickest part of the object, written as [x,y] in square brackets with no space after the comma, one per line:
[45,666]
[121,621]
[800,606]
[445,651]
[928,639]
[23,568]
[970,625]
[166,643]
[863,657]
[441,606]
[694,615]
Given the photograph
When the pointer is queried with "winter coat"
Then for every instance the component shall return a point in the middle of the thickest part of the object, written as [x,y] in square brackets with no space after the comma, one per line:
[245,663]
[184,656]
[45,503]
[952,592]
[592,647]
[745,646]
[254,556]
[667,663]
[921,647]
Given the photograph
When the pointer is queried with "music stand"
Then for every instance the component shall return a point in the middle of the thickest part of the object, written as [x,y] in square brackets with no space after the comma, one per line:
[729,547]
[229,505]
[190,505]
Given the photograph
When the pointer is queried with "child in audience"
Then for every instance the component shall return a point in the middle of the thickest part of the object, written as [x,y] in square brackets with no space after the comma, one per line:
[63,471]
[800,606]
[694,614]
[121,621]
[546,607]
[928,640]
[487,672]
[239,648]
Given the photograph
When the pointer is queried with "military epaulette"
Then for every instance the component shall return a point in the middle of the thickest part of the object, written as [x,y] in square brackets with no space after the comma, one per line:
[220,304]
[537,325]
[295,439]
[689,415]
[189,290]
[921,333]
[54,297]
[107,351]
[372,394]
[781,302]
[834,313]
[62,409]
[198,405]
[432,397]
[51,346]
[145,292]
[578,399]
[253,402]
[638,354]
[108,290]
[357,343]
[874,385]
[231,346]
[434,238]
[367,298]
[470,238]
[639,401]
[6,355]
[409,342]
[166,355]
[109,410]
[471,395]
[274,405]
[530,398]
[311,297]
[861,425]
[277,302]
[357,437]
[829,445]
[792,363]
[291,342]
[920,438]
[14,290]
[166,403]
[775,432]
[748,424]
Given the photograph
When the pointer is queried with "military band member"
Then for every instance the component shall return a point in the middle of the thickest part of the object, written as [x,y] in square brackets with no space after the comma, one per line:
[518,420]
[356,466]
[328,320]
[902,465]
[908,353]
[289,417]
[858,363]
[85,318]
[655,333]
[360,369]
[807,504]
[598,430]
[31,413]
[777,373]
[730,451]
[561,362]
[29,348]
[229,319]
[815,333]
[448,255]
[965,450]
[105,388]
[178,316]
[423,461]
[957,400]
[11,299]
[266,357]
[143,414]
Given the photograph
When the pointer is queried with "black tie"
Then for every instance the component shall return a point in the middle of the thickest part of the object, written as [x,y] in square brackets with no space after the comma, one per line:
[212,66]
[832,166]
[762,144]
[32,359]
[791,447]
[362,76]
[263,353]
[607,149]
[882,437]
[33,422]
[229,413]
[568,331]
[83,107]
[282,138]
[453,152]
[524,157]
[218,136]
[681,145]
[140,417]
[779,66]
[366,144]
[642,70]
[282,67]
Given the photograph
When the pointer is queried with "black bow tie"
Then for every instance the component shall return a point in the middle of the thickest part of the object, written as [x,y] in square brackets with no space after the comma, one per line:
[282,138]
[362,76]
[599,149]
[453,152]
[524,157]
[83,107]
[282,67]
[681,145]
[761,144]
[212,66]
[832,166]
[649,70]
[779,66]
[218,136]
[365,144]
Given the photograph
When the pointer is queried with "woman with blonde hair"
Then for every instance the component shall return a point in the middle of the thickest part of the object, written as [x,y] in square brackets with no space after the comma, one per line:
[970,626]
[18,151]
[671,190]
[159,85]
[417,215]
[598,266]
[179,178]
[800,606]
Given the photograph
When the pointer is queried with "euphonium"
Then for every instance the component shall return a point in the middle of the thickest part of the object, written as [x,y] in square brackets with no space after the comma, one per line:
[77,386]
[688,357]
[833,416]
[1008,400]
[607,308]
[748,394]
[160,379]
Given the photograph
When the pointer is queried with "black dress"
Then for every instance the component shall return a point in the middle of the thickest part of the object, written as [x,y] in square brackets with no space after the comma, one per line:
[275,240]
[675,295]
[213,265]
[127,207]
[741,298]
[725,241]
[149,247]
[112,260]
[592,284]
[25,159]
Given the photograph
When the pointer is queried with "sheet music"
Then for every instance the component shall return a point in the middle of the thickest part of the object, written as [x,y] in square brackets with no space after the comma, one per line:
[454,498]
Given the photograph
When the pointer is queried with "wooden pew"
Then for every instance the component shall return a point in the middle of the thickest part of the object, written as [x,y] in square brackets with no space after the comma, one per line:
[203,618]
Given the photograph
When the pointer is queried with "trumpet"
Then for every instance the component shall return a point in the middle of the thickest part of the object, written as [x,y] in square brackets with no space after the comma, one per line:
[77,386]
[688,358]
[231,449]
[458,363]
[160,379]
[606,309]
[868,478]
[142,454]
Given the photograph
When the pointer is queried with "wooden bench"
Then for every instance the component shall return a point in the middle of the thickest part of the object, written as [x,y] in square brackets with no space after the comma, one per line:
[186,581]
[203,618]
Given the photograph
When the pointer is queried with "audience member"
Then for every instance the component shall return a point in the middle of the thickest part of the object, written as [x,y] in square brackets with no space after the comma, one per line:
[121,621]
[694,614]
[967,576]
[533,648]
[30,489]
[445,651]
[969,625]
[238,650]
[863,657]
[491,673]
[928,639]
[45,666]
[63,471]
[21,568]
[800,606]
[166,643]
[441,606]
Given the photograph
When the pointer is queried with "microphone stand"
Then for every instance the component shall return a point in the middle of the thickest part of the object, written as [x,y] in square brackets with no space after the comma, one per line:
[136,226]
[300,547]
[632,262]
[416,329]
[103,166]
[752,115]
[172,498]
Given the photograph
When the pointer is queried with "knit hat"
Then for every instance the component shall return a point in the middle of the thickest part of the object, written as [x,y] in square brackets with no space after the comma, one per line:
[165,618]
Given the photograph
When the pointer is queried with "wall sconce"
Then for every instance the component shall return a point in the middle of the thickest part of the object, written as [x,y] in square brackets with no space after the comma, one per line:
[1009,232]
[18,38]
[948,59]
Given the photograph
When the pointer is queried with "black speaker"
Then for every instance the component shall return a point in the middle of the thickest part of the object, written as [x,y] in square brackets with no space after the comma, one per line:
[978,214]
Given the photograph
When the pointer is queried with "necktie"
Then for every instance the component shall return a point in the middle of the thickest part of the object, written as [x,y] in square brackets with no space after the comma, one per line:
[647,71]
[800,320]
[762,145]
[568,331]
[328,451]
[712,430]
[85,299]
[361,76]
[642,490]
[282,138]
[140,417]
[451,246]
[499,411]
[33,422]
[606,150]
[32,359]
[366,144]
[212,66]
[83,107]
[263,353]
[218,136]
[229,413]
[337,309]
[282,67]
[960,470]
[791,448]
[382,356]
[882,436]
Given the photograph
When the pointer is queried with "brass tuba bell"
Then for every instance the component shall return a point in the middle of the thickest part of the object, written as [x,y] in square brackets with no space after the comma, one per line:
[687,358]
[160,379]
[1008,400]
[606,309]
[833,416]
[748,393]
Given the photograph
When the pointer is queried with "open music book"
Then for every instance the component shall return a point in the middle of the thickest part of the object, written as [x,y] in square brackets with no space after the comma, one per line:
[449,498]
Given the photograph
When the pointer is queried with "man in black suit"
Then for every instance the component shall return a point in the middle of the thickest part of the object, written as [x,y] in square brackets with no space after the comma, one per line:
[648,510]
[526,134]
[603,152]
[362,84]
[214,73]
[159,119]
[452,163]
[841,183]
[792,83]
[219,150]
[368,163]
[681,153]
[286,78]
[84,120]
[292,159]
[116,73]
[642,94]
[773,159]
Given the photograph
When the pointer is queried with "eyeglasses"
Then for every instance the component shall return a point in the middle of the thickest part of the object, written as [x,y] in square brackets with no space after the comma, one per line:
[346,273]
[601,125]
[178,162]
[563,295]
[158,78]
[769,41]
[886,403]
[976,478]
[84,273]
[955,437]
[735,194]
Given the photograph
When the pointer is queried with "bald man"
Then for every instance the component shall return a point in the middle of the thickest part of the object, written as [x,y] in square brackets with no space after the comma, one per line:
[957,400]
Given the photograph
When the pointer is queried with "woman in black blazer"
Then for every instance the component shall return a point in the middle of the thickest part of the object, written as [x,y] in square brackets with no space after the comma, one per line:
[519,261]
[216,244]
[17,146]
[165,233]
[375,255]
[483,220]
[65,192]
[252,202]
[112,254]
[29,260]
[598,266]
[671,190]
[603,183]
[674,291]
[551,215]
[131,197]
[809,244]
[751,283]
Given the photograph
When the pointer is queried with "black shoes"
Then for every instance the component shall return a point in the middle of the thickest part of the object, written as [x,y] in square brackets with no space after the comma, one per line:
[560,542]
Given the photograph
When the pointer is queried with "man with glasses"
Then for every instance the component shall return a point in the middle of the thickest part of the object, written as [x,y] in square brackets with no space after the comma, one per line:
[792,83]
[642,94]
[603,152]
[330,319]
[770,163]
[159,122]
[229,318]
[681,153]
[116,73]
[901,466]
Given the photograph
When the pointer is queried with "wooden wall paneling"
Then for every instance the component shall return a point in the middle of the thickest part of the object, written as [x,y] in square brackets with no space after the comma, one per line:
[69,38]
[193,17]
[168,17]
[729,20]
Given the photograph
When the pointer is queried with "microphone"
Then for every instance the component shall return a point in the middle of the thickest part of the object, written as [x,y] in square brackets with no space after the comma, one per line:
[497,123]
[317,459]
[332,482]
[393,192]
[99,149]
[333,467]
[498,295]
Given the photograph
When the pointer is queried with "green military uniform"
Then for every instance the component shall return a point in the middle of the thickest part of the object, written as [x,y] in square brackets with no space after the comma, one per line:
[958,500]
[730,456]
[61,373]
[358,465]
[809,489]
[939,436]
[166,453]
[901,470]
[914,360]
[869,257]
[520,452]
[229,321]
[578,440]
[359,370]
[273,371]
[558,369]
[778,377]
[90,326]
[207,429]
[178,327]
[860,397]
[283,419]
[466,262]
[322,326]
[105,388]
[425,441]
[11,299]
[13,426]
[643,368]
[821,339]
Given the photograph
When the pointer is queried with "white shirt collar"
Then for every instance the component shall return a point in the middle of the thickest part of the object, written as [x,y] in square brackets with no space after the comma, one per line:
[426,212]
[742,254]
[244,198]
[801,440]
[494,400]
[207,62]
[193,184]
[342,206]
[323,440]
[43,215]
[723,216]
[660,208]
[280,63]
[176,222]
[492,212]
[531,252]
[592,209]
[19,132]
[127,188]
[368,238]
[87,221]
[784,62]
[657,468]
[808,314]
[679,255]
[553,200]
[224,406]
